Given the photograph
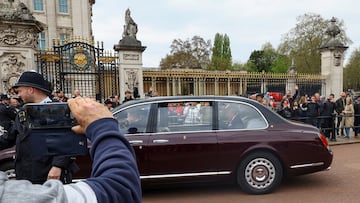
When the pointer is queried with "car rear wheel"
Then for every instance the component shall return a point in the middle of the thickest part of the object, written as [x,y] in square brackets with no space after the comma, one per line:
[9,169]
[259,173]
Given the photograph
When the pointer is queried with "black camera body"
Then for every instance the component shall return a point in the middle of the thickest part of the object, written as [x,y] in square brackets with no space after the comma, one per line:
[50,130]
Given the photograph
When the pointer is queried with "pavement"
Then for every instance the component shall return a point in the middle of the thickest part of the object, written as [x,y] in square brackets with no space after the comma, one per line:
[342,140]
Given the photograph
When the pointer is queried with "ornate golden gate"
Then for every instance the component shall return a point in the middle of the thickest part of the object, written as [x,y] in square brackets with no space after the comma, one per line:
[79,65]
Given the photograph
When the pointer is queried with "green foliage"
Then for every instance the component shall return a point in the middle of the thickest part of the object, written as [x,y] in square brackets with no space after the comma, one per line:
[221,58]
[262,60]
[302,42]
[351,72]
[194,53]
[281,64]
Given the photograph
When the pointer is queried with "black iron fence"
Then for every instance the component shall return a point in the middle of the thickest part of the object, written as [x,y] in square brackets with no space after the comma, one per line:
[331,126]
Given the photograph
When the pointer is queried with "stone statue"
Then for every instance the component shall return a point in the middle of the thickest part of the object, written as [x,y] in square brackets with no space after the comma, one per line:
[130,27]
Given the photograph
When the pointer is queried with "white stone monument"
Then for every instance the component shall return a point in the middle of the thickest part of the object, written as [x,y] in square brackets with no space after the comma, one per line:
[130,59]
[332,61]
[18,42]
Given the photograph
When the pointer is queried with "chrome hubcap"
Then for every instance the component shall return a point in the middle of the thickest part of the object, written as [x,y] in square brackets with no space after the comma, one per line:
[260,173]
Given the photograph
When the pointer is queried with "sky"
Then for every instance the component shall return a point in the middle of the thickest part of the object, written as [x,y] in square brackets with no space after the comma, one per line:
[249,24]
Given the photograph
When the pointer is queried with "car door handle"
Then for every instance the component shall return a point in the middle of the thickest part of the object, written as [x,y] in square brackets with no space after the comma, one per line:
[160,141]
[136,141]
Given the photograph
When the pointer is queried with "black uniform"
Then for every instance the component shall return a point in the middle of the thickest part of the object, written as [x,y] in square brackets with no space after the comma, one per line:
[7,116]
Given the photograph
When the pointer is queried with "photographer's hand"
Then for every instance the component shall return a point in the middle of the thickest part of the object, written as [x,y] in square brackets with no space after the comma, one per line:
[86,111]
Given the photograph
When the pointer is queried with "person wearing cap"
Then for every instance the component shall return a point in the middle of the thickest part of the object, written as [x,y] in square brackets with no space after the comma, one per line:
[32,88]
[7,113]
[114,176]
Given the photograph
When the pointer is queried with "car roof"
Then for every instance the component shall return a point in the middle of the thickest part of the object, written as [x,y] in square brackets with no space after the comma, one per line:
[270,114]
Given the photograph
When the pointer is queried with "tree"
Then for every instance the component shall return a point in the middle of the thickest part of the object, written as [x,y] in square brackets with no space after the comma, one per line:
[221,58]
[194,53]
[262,60]
[302,42]
[351,71]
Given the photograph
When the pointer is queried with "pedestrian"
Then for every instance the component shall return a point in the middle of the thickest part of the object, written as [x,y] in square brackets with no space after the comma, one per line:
[114,177]
[32,88]
[340,105]
[348,116]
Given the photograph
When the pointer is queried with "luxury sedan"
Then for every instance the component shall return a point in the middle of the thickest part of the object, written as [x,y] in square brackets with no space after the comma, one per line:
[196,139]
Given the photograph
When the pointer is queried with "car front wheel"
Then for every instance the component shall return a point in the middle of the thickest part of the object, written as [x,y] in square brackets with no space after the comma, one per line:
[259,173]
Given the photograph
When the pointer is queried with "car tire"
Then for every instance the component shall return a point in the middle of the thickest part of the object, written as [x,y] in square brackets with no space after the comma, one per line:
[259,173]
[8,168]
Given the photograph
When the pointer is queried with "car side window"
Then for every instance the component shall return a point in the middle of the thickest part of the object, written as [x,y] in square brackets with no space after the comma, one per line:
[239,116]
[134,119]
[184,116]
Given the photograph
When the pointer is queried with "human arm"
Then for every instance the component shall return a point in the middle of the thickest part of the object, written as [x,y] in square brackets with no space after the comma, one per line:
[115,176]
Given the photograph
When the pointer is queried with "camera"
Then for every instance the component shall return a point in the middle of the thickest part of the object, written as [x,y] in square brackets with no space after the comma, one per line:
[50,130]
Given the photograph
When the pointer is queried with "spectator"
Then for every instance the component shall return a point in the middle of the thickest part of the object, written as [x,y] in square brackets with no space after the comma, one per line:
[7,113]
[340,105]
[302,108]
[348,116]
[32,88]
[192,112]
[15,103]
[285,109]
[114,178]
[108,103]
[115,101]
[76,93]
[128,96]
[292,98]
[62,97]
[327,117]
[312,113]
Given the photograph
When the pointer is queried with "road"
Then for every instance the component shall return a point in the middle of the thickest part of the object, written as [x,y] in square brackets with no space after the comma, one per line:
[340,184]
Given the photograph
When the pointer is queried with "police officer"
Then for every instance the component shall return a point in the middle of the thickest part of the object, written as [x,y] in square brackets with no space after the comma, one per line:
[7,113]
[32,88]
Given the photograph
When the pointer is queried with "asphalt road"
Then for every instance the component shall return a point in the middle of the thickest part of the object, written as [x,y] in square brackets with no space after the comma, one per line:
[340,184]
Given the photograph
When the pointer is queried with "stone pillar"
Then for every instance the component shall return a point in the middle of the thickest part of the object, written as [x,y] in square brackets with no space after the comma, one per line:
[130,59]
[18,42]
[291,82]
[332,61]
[168,87]
[216,86]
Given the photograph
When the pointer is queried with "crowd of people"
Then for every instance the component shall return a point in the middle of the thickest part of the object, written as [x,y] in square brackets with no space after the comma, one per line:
[325,113]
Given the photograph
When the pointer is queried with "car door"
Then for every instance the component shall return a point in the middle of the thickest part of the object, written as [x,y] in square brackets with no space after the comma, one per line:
[180,149]
[133,123]
[235,138]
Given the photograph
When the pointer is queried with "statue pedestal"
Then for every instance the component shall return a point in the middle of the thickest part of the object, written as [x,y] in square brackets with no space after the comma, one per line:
[130,66]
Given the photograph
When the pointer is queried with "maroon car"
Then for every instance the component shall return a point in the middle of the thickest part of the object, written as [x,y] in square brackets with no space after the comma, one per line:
[190,139]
